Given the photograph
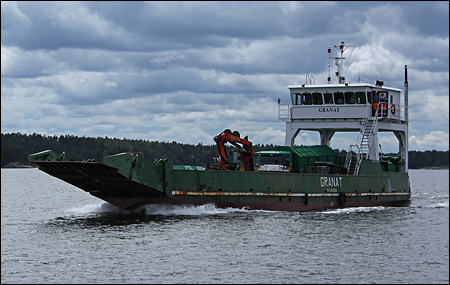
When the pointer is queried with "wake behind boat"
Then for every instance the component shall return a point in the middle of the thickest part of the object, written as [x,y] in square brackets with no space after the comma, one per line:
[287,178]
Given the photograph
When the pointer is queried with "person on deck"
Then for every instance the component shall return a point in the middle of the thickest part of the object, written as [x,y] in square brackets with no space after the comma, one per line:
[375,101]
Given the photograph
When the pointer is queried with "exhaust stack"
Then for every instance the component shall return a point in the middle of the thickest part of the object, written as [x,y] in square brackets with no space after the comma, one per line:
[406,93]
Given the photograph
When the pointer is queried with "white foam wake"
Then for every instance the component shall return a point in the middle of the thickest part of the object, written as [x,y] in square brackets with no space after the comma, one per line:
[439,205]
[86,209]
[189,210]
[354,210]
[157,209]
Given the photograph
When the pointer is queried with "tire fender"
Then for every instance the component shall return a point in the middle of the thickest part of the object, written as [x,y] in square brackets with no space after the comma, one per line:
[342,198]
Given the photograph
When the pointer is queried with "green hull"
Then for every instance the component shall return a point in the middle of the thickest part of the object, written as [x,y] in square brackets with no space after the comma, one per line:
[129,181]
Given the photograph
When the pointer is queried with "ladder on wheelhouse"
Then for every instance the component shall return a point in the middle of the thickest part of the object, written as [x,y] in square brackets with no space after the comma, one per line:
[363,144]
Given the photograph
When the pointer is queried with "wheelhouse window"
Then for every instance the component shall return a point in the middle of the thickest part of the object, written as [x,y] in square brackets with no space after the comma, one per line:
[328,97]
[349,97]
[339,97]
[306,99]
[360,97]
[295,98]
[317,98]
[369,97]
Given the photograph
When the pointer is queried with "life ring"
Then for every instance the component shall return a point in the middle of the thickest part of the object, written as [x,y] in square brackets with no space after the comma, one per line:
[393,109]
[342,198]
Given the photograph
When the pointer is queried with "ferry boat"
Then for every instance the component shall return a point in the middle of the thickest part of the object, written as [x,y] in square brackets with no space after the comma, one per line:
[287,178]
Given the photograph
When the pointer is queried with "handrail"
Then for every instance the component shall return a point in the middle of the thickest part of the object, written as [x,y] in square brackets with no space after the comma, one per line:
[368,134]
[284,111]
[349,157]
[393,111]
[311,79]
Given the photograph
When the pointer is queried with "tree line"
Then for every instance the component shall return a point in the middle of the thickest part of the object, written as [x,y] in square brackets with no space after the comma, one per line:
[16,147]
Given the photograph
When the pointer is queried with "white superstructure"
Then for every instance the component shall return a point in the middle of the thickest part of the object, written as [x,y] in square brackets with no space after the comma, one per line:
[349,107]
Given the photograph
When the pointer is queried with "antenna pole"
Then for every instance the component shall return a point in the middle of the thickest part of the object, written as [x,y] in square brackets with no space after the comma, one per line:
[406,93]
[339,60]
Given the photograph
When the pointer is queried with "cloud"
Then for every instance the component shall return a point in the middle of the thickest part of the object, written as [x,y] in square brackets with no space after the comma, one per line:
[110,84]
[185,71]
[12,17]
[432,141]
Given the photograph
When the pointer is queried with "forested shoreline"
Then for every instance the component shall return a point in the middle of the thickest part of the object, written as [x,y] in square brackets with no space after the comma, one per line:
[16,147]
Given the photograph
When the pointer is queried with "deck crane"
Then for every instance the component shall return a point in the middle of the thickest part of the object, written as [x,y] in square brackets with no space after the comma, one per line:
[246,151]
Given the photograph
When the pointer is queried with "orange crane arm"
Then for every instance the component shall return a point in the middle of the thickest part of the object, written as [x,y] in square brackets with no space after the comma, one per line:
[246,150]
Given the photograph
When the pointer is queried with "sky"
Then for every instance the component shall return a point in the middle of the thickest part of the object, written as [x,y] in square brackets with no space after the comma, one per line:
[185,71]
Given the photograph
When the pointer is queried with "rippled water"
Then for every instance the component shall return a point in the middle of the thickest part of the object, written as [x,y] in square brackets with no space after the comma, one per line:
[53,232]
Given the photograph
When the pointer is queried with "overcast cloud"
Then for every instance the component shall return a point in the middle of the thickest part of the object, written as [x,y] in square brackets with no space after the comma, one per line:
[185,71]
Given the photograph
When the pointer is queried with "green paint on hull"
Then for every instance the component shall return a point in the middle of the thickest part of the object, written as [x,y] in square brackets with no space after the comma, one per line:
[129,181]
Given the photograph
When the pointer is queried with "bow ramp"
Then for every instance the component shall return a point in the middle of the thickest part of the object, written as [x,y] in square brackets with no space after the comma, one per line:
[117,176]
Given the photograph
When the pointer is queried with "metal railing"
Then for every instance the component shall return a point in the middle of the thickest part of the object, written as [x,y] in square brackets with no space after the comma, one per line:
[284,112]
[349,157]
[392,111]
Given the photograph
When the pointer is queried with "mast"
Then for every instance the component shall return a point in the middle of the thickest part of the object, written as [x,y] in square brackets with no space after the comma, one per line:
[406,94]
[338,61]
[405,143]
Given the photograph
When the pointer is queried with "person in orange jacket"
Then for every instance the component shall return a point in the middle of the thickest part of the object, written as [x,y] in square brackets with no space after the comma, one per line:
[375,101]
